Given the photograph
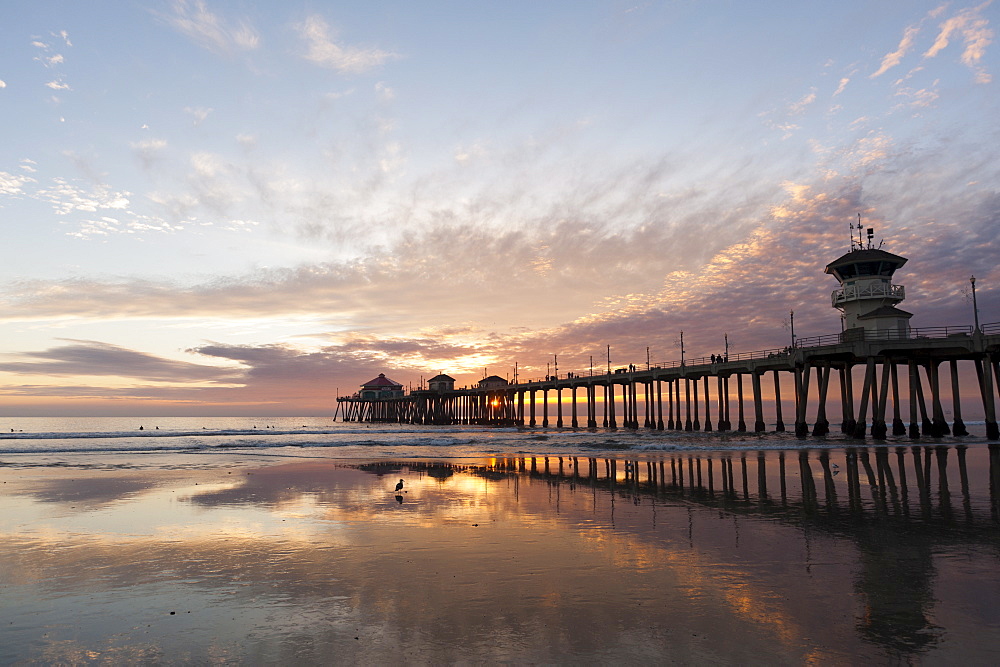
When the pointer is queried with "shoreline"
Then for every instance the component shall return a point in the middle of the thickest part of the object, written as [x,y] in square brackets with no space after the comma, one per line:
[421,442]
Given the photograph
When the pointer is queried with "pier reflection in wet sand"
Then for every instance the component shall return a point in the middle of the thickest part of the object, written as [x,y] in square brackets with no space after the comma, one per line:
[880,554]
[894,506]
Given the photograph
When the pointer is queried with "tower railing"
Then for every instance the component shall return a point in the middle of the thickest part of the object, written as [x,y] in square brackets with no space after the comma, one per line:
[868,290]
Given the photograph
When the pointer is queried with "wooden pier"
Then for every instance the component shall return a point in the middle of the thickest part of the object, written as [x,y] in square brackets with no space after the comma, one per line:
[727,394]
[712,393]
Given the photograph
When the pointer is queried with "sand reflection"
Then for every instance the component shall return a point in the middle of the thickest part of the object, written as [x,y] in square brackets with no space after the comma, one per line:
[779,557]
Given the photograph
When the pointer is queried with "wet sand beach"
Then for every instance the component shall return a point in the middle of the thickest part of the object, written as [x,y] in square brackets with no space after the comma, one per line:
[836,556]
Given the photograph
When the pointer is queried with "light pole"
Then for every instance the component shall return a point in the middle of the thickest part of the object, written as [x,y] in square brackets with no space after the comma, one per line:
[591,365]
[609,360]
[555,359]
[975,305]
[727,347]
[791,324]
[647,357]
[682,348]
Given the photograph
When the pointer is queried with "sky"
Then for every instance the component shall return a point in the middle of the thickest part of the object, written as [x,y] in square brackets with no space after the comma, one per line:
[247,207]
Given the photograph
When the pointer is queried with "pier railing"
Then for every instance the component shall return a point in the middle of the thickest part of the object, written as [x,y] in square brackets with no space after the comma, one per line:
[771,353]
[861,335]
[777,353]
[720,359]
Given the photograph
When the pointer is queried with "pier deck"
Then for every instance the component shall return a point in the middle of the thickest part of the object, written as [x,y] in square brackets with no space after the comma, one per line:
[645,396]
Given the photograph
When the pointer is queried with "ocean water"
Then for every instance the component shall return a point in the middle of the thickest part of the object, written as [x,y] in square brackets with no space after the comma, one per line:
[46,439]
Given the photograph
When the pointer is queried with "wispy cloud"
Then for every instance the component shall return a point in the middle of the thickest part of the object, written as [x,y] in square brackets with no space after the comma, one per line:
[199,114]
[322,50]
[204,27]
[94,358]
[13,184]
[149,151]
[128,222]
[893,58]
[969,24]
[802,104]
[919,98]
[384,92]
[89,209]
[52,60]
[48,57]
[66,196]
[976,36]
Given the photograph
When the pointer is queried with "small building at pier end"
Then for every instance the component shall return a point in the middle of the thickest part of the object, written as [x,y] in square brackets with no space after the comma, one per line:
[493,382]
[866,297]
[381,388]
[441,382]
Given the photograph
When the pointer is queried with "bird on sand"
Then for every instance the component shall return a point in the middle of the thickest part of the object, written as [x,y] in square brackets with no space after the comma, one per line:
[399,486]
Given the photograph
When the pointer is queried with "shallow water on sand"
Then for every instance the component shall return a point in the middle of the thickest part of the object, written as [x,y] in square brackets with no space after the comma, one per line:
[835,555]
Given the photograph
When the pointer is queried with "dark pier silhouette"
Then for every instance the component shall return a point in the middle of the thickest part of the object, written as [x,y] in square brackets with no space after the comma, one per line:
[698,394]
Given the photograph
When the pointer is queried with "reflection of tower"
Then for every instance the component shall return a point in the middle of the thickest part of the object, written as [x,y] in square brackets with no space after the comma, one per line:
[867,298]
[896,583]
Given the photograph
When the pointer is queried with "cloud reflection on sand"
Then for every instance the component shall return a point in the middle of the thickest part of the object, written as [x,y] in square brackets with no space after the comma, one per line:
[92,492]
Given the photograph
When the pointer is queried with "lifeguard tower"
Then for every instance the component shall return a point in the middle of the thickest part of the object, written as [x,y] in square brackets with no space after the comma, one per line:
[867,298]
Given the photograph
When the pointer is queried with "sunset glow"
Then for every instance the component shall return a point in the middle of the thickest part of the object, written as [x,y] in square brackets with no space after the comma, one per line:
[218,208]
